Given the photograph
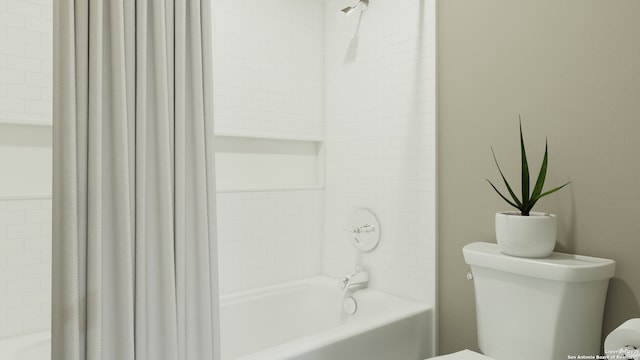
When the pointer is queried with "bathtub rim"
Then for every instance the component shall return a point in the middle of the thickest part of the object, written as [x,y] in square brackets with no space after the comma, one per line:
[332,335]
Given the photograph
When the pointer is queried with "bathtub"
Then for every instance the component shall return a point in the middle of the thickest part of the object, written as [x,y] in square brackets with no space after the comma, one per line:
[303,320]
[36,346]
[299,320]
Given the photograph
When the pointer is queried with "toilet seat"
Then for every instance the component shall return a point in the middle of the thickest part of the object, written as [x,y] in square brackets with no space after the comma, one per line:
[463,355]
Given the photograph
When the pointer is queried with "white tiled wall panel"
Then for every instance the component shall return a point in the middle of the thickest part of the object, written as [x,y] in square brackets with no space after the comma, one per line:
[26,40]
[300,68]
[26,58]
[25,266]
[268,67]
[266,237]
[380,141]
[269,80]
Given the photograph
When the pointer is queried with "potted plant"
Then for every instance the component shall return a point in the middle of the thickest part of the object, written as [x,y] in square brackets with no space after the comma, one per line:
[526,233]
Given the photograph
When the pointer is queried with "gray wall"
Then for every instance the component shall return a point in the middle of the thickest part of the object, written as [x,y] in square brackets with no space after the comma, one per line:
[571,68]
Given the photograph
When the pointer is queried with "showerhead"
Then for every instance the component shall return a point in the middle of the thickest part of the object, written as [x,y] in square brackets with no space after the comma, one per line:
[362,5]
[348,10]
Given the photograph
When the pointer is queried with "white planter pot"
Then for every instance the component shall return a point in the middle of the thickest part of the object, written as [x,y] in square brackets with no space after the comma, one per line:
[531,236]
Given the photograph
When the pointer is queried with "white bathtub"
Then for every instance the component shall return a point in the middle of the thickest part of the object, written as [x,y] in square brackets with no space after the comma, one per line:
[299,320]
[35,346]
[303,320]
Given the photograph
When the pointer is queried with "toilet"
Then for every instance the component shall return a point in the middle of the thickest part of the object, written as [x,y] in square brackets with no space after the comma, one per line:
[536,309]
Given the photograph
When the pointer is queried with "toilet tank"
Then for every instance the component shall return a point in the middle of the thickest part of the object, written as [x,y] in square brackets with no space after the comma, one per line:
[538,309]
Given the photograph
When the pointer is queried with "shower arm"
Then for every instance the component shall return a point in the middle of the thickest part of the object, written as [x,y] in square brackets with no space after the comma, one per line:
[363,4]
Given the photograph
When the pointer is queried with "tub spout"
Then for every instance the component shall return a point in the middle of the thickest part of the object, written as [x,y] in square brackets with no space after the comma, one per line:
[355,281]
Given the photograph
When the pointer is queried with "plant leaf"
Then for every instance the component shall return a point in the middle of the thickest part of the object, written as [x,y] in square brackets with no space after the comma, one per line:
[537,190]
[525,169]
[554,190]
[533,201]
[502,196]
[513,195]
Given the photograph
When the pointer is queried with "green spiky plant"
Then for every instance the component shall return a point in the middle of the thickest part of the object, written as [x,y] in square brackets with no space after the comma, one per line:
[528,199]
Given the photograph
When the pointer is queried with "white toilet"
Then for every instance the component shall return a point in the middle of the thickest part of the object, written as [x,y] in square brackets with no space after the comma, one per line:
[536,309]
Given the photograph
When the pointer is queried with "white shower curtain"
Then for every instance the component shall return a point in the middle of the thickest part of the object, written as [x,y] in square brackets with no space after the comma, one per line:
[134,255]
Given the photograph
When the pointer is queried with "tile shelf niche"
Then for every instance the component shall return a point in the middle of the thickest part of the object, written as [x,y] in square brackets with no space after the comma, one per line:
[268,162]
[25,160]
[244,161]
[25,122]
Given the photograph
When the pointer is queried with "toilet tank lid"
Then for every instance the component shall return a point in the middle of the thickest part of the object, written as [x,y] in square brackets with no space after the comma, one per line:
[558,266]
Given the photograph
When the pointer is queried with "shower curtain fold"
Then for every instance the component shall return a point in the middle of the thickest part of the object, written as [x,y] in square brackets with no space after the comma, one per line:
[134,255]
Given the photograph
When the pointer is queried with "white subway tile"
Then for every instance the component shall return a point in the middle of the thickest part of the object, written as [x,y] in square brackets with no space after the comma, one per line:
[10,301]
[38,297]
[45,281]
[11,328]
[22,116]
[37,243]
[46,229]
[46,12]
[24,258]
[12,105]
[20,231]
[46,203]
[15,48]
[39,106]
[27,204]
[12,20]
[24,35]
[36,324]
[37,216]
[46,67]
[37,79]
[11,217]
[11,273]
[36,52]
[19,287]
[37,270]
[38,24]
[22,313]
[23,8]
[11,246]
[19,91]
[45,309]
[46,255]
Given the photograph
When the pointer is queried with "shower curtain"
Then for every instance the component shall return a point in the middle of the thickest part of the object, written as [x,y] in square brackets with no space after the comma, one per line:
[134,255]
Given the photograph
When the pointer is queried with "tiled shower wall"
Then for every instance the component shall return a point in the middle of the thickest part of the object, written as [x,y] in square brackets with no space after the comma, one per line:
[26,54]
[268,80]
[366,85]
[268,67]
[26,60]
[267,237]
[380,141]
[25,266]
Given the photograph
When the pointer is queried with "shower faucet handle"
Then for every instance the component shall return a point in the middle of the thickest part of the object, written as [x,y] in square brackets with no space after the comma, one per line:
[363,229]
